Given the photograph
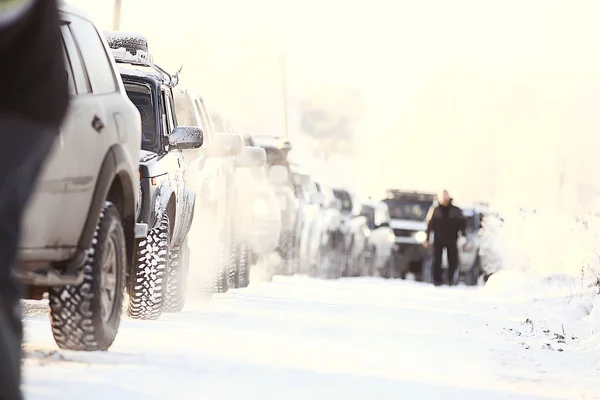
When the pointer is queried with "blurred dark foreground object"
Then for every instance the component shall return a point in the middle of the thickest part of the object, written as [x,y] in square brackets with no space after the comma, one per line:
[34,82]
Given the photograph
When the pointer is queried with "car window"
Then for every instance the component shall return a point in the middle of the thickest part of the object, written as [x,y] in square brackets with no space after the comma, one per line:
[163,114]
[171,121]
[203,120]
[206,115]
[345,199]
[68,71]
[100,70]
[79,74]
[184,109]
[141,96]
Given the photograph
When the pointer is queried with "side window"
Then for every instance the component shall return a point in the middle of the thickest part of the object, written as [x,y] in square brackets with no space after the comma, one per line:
[163,116]
[95,58]
[206,115]
[79,77]
[171,121]
[203,121]
[69,71]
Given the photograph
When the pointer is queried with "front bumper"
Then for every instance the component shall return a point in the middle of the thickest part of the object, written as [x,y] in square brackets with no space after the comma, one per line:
[406,255]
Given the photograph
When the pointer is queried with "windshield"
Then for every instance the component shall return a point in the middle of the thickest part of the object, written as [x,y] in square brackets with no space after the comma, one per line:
[412,210]
[369,213]
[141,96]
[344,199]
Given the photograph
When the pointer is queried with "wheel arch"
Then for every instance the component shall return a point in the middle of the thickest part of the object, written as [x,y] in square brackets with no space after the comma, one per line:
[115,183]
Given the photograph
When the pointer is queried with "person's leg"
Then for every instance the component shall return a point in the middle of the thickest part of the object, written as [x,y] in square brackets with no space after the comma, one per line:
[438,251]
[24,148]
[452,252]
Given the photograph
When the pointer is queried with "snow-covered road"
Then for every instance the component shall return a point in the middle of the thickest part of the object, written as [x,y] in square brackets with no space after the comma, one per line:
[302,338]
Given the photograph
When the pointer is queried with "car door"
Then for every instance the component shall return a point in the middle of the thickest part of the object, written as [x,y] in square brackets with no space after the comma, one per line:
[67,181]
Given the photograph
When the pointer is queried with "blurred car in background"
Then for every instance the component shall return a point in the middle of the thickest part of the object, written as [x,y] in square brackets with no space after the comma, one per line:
[249,157]
[280,177]
[371,248]
[166,204]
[256,213]
[350,208]
[408,211]
[211,174]
[325,241]
[308,212]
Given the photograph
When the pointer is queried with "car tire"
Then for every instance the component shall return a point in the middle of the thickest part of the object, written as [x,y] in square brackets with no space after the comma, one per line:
[472,275]
[242,266]
[427,269]
[223,267]
[177,275]
[148,275]
[78,313]
[289,255]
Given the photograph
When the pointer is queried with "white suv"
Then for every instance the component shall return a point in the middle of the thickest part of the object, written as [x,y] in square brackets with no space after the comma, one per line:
[79,230]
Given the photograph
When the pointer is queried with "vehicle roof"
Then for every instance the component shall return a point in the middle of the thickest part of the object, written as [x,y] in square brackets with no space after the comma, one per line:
[137,74]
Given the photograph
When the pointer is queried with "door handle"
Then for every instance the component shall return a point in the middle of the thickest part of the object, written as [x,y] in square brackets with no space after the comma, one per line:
[97,124]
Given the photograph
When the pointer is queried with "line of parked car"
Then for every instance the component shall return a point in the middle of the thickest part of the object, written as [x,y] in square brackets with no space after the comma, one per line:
[138,159]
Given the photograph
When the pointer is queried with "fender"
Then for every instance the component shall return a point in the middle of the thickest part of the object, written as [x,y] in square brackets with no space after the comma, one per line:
[116,162]
[160,200]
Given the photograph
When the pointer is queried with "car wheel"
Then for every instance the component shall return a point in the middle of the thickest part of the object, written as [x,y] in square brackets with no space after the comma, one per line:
[242,267]
[147,278]
[427,269]
[223,266]
[177,275]
[472,275]
[87,316]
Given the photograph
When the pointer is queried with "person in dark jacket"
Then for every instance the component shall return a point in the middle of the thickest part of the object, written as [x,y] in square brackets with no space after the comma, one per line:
[446,222]
[34,102]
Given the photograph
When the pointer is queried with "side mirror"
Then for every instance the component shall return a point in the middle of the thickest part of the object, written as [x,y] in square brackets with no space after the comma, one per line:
[226,145]
[186,138]
[251,157]
[278,175]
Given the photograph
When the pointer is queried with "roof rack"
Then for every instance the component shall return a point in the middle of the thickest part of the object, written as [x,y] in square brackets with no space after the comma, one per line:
[396,193]
[132,48]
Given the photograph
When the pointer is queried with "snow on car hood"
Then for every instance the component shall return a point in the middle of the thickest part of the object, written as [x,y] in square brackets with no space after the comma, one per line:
[146,156]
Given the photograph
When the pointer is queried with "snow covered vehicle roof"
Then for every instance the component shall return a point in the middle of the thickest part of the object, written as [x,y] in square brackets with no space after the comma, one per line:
[132,48]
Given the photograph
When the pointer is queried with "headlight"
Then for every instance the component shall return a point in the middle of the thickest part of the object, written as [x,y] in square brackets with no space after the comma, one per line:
[392,237]
[421,236]
[367,232]
[261,207]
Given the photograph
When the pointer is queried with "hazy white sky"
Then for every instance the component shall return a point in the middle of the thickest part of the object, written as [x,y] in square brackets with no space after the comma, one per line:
[483,97]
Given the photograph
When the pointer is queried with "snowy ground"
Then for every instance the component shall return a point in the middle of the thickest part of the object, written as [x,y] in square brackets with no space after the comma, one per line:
[302,338]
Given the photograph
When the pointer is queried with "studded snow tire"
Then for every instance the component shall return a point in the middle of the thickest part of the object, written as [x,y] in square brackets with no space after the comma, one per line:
[177,274]
[148,275]
[79,319]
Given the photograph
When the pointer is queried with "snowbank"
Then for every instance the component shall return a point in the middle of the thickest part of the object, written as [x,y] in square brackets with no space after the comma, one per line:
[548,264]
